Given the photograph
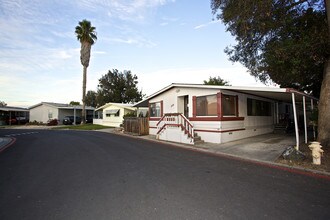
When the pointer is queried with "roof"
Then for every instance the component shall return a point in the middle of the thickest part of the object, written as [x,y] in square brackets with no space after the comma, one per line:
[61,106]
[142,103]
[120,105]
[279,94]
[13,109]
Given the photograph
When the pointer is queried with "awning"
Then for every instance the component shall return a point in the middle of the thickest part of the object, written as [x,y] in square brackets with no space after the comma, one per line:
[111,111]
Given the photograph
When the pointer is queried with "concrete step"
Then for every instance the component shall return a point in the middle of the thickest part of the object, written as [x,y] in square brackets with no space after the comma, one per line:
[197,139]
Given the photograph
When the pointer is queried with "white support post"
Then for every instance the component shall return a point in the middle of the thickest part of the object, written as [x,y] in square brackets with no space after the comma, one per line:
[295,120]
[305,120]
[277,116]
[312,108]
[74,115]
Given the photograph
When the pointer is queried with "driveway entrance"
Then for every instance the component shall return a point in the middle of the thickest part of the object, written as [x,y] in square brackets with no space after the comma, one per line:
[267,147]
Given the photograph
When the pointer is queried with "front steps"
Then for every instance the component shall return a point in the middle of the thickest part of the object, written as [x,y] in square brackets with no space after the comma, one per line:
[197,139]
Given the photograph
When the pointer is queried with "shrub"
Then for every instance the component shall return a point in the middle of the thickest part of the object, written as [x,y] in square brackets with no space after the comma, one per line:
[52,122]
[130,114]
[35,123]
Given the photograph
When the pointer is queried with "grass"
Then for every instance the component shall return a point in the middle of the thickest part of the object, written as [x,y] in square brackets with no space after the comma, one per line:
[87,127]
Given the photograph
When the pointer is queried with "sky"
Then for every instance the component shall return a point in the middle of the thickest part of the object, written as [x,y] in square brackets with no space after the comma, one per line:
[160,41]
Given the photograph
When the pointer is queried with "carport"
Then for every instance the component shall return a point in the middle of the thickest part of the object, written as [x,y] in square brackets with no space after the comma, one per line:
[289,96]
[12,115]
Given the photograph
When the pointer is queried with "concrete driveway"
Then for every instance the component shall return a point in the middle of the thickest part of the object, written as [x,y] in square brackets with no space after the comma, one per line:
[266,147]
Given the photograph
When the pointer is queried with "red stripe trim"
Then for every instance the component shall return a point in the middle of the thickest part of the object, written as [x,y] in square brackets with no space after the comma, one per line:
[152,127]
[219,104]
[154,119]
[13,140]
[219,131]
[194,106]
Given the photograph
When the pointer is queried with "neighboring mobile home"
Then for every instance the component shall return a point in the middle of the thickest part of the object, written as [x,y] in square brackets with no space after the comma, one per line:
[219,114]
[112,114]
[10,115]
[45,111]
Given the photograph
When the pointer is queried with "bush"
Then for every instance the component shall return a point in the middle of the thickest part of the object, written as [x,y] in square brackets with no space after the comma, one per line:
[130,114]
[52,122]
[35,123]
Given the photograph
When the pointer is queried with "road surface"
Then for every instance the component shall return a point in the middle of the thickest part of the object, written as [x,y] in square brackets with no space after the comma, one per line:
[49,174]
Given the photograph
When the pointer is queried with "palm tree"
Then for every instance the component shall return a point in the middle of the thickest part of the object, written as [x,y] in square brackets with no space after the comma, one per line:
[87,36]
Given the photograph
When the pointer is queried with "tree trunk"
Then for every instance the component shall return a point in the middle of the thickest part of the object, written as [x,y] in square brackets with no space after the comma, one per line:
[85,53]
[324,109]
[324,103]
[83,115]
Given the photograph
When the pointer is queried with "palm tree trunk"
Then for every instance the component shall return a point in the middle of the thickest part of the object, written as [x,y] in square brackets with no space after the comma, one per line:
[83,115]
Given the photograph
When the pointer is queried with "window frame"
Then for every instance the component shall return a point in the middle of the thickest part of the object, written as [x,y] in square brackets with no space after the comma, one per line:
[151,115]
[206,110]
[219,116]
[235,102]
[117,114]
[263,108]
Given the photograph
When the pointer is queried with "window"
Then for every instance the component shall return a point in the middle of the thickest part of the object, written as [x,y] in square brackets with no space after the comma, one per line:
[50,114]
[258,108]
[206,105]
[114,112]
[155,109]
[229,105]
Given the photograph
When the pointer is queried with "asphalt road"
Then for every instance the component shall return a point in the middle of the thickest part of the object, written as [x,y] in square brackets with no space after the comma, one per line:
[95,175]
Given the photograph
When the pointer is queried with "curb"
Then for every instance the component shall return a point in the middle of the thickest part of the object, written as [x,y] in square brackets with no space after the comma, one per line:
[8,141]
[284,167]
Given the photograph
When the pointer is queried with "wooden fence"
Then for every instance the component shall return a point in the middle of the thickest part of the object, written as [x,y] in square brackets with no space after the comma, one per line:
[136,126]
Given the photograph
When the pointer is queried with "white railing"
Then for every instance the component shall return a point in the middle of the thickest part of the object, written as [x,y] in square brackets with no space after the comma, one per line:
[175,120]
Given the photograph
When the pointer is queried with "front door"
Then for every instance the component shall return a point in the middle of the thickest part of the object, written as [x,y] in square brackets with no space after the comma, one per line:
[185,106]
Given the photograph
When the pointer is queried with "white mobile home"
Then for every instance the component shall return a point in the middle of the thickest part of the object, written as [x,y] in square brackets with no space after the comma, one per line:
[45,111]
[112,114]
[219,114]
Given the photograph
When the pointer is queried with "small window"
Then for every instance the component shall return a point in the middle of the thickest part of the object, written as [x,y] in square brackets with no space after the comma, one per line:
[155,109]
[206,105]
[229,105]
[50,114]
[114,112]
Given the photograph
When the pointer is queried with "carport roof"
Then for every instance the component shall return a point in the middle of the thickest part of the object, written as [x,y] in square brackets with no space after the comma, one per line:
[61,106]
[13,109]
[278,94]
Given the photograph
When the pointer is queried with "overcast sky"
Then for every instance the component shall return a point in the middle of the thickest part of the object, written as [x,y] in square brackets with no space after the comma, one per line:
[161,41]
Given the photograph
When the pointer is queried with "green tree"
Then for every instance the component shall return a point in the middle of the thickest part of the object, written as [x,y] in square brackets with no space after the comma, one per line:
[74,103]
[284,41]
[90,98]
[216,81]
[86,34]
[119,87]
[3,104]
